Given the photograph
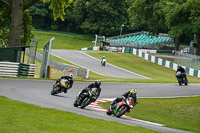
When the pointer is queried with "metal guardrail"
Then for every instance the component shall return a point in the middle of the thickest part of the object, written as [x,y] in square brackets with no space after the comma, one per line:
[77,72]
[12,69]
[27,70]
[9,69]
[162,62]
[188,60]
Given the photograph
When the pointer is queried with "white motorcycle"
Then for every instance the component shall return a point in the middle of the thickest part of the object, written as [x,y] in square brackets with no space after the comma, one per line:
[103,62]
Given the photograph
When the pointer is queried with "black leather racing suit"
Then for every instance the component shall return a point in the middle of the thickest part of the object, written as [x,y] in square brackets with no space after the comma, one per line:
[183,72]
[92,85]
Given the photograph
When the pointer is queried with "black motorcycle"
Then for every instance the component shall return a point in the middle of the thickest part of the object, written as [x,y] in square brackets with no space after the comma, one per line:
[181,78]
[122,107]
[85,98]
[60,86]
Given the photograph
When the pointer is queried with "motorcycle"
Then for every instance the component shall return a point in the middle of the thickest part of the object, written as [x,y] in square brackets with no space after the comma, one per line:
[60,86]
[122,107]
[85,98]
[181,79]
[103,62]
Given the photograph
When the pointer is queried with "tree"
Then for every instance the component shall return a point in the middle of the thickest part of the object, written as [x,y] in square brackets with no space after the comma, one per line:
[4,20]
[42,18]
[178,17]
[18,6]
[147,15]
[102,17]
[193,8]
[177,20]
[182,17]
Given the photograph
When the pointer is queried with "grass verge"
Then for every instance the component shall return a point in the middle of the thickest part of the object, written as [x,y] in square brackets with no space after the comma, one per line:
[64,41]
[179,113]
[21,117]
[157,73]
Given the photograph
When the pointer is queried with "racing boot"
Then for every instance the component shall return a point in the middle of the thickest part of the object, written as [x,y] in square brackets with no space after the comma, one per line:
[65,90]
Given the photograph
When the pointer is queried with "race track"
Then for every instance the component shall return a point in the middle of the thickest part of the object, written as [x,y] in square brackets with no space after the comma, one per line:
[93,64]
[38,92]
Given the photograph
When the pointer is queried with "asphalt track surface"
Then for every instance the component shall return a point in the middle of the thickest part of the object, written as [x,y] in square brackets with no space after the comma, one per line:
[38,92]
[93,64]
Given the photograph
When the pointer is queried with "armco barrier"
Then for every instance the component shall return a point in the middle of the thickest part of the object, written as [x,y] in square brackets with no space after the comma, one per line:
[27,70]
[9,69]
[159,61]
[77,72]
[12,69]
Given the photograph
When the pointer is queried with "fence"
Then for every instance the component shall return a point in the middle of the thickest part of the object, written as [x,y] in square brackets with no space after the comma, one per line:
[77,72]
[188,60]
[159,61]
[12,69]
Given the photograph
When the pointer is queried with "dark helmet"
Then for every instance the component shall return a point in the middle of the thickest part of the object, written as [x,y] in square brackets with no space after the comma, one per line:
[97,83]
[179,67]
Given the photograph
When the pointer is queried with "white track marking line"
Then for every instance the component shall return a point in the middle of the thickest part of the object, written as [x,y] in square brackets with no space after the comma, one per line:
[76,64]
[117,66]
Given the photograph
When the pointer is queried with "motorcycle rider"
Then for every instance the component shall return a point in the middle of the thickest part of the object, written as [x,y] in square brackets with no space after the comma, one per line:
[68,78]
[97,85]
[103,59]
[183,72]
[131,93]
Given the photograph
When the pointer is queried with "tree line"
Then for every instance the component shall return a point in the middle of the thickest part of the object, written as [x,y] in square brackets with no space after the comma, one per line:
[179,18]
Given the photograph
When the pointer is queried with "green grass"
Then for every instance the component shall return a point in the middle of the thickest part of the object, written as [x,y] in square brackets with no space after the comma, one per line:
[20,117]
[179,113]
[64,41]
[157,73]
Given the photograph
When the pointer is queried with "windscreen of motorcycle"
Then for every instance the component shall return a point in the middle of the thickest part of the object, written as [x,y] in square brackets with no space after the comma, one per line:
[64,83]
[178,73]
[130,102]
[94,91]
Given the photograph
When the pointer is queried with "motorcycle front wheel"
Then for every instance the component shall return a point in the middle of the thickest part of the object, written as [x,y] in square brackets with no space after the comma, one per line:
[55,90]
[75,103]
[122,110]
[108,112]
[85,102]
[180,81]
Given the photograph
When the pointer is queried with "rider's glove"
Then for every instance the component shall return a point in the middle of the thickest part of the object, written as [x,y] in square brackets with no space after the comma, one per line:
[94,99]
[123,97]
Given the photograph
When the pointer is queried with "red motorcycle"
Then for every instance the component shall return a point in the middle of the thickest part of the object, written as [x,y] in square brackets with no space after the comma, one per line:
[122,107]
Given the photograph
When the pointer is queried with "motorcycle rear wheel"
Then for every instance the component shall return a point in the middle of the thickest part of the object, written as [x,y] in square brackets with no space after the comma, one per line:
[186,82]
[121,111]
